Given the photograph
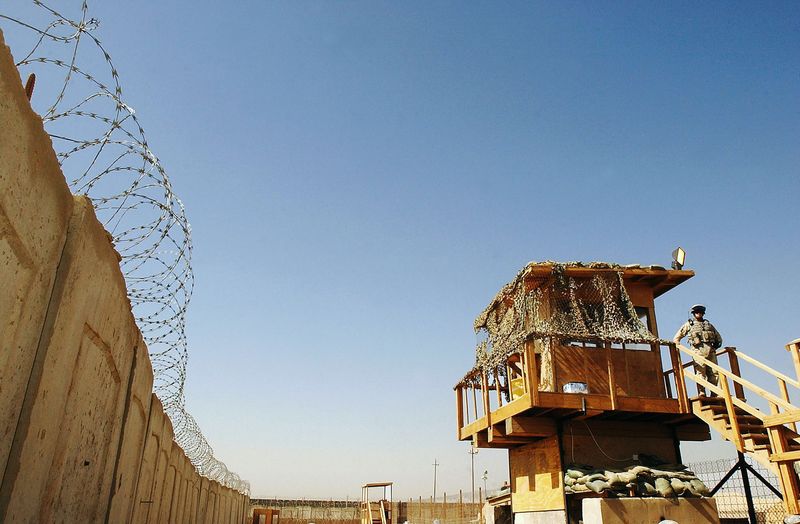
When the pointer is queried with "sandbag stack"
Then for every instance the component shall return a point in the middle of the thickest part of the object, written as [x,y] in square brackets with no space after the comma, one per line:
[663,480]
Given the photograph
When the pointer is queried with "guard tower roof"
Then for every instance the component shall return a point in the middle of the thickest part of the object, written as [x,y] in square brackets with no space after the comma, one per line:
[534,274]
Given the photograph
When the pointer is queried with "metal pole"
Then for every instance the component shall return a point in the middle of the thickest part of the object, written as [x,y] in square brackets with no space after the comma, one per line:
[435,465]
[472,451]
[751,510]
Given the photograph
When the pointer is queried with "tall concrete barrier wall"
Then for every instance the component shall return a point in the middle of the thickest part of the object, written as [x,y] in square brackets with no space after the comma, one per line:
[82,437]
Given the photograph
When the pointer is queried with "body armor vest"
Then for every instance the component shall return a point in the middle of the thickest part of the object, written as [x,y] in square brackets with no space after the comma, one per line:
[703,334]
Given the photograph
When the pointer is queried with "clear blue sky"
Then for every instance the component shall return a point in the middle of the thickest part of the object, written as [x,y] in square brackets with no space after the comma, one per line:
[362,177]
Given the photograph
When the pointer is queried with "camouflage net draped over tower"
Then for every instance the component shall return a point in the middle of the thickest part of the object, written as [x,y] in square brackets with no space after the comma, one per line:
[104,154]
[543,303]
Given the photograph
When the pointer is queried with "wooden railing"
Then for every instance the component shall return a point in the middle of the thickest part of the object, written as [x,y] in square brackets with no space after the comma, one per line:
[780,422]
[490,396]
[740,384]
[495,394]
[512,387]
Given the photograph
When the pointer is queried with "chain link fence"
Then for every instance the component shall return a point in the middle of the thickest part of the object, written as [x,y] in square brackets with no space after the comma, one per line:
[731,498]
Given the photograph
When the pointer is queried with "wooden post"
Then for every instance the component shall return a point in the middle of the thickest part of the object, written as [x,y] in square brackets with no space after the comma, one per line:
[508,381]
[733,361]
[612,382]
[726,395]
[474,401]
[680,379]
[460,407]
[793,347]
[497,387]
[460,504]
[532,382]
[485,394]
[667,385]
[785,396]
[786,475]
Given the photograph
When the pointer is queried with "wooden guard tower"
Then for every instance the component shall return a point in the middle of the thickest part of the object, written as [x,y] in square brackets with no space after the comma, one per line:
[632,399]
[376,503]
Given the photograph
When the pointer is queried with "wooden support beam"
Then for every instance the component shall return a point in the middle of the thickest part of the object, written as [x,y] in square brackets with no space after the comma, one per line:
[680,379]
[779,419]
[530,427]
[786,475]
[459,407]
[787,456]
[696,432]
[612,381]
[497,435]
[481,440]
[736,436]
[531,374]
[496,373]
[485,395]
[733,360]
[785,396]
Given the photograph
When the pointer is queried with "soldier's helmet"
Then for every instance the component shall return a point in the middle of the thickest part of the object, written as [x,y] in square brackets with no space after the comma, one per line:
[698,308]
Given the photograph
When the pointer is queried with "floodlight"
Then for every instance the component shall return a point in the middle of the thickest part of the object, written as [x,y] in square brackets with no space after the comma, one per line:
[678,258]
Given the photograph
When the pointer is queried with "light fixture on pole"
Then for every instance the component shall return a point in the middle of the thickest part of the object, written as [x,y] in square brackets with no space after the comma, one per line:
[484,477]
[472,451]
[678,258]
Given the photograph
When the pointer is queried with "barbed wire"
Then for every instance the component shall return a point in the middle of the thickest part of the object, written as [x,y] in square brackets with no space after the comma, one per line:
[102,149]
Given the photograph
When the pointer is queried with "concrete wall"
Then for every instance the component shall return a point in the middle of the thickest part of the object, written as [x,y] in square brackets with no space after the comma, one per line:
[82,438]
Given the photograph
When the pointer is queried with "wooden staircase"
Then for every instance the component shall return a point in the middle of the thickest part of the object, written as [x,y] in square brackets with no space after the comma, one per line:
[754,434]
[770,438]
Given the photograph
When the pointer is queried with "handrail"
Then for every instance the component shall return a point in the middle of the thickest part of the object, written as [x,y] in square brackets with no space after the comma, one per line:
[764,367]
[755,389]
[686,365]
[754,411]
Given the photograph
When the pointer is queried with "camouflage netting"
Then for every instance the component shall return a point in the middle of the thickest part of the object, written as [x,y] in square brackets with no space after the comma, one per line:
[545,305]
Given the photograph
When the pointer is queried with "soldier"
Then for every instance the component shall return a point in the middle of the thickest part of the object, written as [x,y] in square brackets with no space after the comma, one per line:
[704,339]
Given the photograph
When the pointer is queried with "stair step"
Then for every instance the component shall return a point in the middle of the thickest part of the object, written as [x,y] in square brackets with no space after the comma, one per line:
[717,409]
[756,437]
[709,400]
[743,419]
[749,428]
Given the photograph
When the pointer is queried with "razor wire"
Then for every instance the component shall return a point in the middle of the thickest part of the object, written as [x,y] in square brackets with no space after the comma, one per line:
[102,150]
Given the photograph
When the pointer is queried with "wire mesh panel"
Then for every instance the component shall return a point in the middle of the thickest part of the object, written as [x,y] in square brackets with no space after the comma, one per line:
[731,498]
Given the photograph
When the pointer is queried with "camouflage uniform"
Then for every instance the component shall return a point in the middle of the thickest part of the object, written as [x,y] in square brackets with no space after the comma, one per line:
[704,339]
